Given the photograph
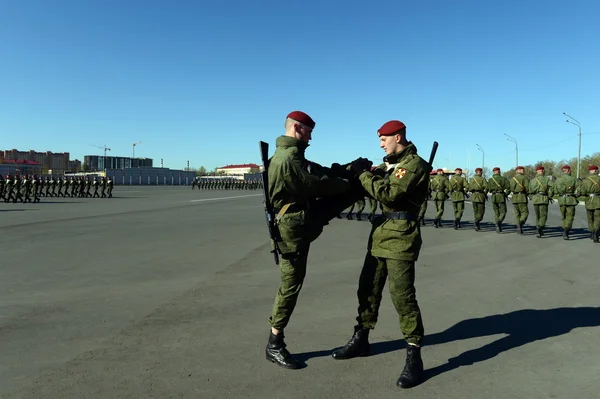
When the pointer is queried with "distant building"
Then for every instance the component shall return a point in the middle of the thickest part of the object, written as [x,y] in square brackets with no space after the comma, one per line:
[19,167]
[57,162]
[100,162]
[238,171]
[75,165]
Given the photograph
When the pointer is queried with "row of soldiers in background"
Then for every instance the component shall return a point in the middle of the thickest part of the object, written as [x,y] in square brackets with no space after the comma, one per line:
[30,189]
[539,190]
[226,184]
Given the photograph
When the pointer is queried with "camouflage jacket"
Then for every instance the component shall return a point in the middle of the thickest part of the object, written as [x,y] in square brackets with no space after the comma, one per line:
[591,185]
[439,188]
[458,188]
[567,187]
[295,180]
[478,188]
[498,185]
[400,185]
[541,188]
[519,186]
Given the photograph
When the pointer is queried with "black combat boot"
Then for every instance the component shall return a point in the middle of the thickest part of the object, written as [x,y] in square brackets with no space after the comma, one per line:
[349,216]
[455,224]
[540,233]
[477,226]
[436,225]
[358,217]
[357,346]
[592,235]
[565,234]
[597,237]
[413,369]
[498,227]
[278,354]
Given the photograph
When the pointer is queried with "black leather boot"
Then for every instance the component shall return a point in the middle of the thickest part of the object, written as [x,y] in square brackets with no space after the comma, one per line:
[278,354]
[540,233]
[477,226]
[357,346]
[436,223]
[565,234]
[413,369]
[498,228]
[592,235]
[597,237]
[455,224]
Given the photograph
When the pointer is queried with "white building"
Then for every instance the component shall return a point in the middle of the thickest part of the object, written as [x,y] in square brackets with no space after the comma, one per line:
[238,171]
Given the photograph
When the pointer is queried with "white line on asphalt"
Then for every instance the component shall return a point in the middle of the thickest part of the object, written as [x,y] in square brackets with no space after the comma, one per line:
[225,198]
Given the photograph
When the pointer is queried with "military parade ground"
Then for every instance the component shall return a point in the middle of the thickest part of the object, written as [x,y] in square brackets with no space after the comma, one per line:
[165,292]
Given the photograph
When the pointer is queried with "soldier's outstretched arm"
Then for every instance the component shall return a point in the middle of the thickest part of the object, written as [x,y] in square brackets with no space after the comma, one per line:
[390,192]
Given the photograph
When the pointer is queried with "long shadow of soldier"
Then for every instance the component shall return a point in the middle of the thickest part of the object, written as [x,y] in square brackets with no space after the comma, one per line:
[522,326]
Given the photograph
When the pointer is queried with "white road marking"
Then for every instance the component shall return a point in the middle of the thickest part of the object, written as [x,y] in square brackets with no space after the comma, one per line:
[224,198]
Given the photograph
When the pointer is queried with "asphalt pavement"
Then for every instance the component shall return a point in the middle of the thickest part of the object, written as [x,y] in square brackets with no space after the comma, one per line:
[165,292]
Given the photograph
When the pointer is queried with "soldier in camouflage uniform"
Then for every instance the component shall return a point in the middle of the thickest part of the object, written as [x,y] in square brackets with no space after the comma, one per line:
[478,189]
[305,197]
[566,187]
[590,187]
[423,209]
[542,190]
[458,188]
[519,186]
[498,186]
[401,185]
[439,193]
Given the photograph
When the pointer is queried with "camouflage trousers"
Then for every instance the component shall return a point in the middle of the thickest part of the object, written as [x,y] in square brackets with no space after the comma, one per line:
[541,214]
[401,274]
[360,205]
[478,210]
[593,220]
[293,271]
[423,210]
[439,206]
[499,211]
[568,215]
[459,208]
[521,212]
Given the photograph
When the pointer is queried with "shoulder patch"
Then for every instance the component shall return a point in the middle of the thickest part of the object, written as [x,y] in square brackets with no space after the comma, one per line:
[400,172]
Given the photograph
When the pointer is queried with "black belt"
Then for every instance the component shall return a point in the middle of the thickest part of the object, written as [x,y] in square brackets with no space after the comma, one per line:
[400,215]
[295,207]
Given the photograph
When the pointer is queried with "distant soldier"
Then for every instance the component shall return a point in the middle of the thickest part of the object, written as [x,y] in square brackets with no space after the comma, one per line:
[88,187]
[542,189]
[27,186]
[8,188]
[519,186]
[194,184]
[103,187]
[458,187]
[18,192]
[498,186]
[95,184]
[423,209]
[109,187]
[590,187]
[360,207]
[478,188]
[2,186]
[439,193]
[566,187]
[35,182]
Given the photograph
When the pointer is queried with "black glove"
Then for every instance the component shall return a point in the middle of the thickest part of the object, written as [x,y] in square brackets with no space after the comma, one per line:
[360,165]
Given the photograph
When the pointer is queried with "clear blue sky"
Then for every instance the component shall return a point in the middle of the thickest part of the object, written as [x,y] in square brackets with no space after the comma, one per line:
[205,81]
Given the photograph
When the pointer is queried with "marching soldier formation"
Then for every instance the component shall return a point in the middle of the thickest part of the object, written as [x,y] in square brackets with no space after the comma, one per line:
[540,190]
[226,184]
[32,188]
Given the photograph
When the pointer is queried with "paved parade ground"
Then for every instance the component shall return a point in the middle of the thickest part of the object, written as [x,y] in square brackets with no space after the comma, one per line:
[165,292]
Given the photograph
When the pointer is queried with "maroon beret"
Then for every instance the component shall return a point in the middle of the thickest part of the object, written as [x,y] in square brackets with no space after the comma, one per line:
[566,167]
[496,169]
[458,170]
[539,167]
[593,167]
[440,170]
[390,128]
[302,118]
[478,170]
[520,167]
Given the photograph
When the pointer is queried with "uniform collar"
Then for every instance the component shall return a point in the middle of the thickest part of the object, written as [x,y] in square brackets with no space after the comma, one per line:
[287,142]
[399,156]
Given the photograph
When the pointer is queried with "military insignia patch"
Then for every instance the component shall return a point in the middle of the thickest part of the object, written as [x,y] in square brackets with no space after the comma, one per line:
[400,173]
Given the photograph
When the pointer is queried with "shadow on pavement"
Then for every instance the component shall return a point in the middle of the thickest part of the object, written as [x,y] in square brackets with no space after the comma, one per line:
[521,326]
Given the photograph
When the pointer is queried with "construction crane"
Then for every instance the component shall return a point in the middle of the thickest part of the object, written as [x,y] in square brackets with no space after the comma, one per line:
[133,145]
[105,148]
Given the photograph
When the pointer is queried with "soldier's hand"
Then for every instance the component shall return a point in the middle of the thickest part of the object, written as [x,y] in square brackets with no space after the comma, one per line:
[360,165]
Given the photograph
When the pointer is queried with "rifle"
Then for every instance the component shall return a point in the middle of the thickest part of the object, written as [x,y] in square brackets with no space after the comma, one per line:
[432,155]
[269,214]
